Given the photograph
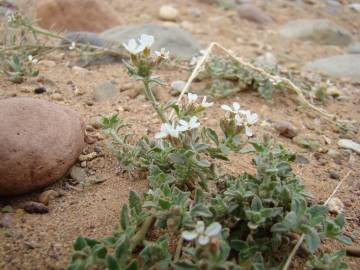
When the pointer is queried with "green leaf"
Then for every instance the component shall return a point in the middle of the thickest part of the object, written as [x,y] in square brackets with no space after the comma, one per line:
[340,220]
[200,211]
[256,204]
[132,266]
[164,204]
[199,195]
[312,240]
[100,251]
[279,228]
[212,135]
[134,201]
[184,265]
[344,239]
[80,243]
[121,246]
[124,217]
[111,263]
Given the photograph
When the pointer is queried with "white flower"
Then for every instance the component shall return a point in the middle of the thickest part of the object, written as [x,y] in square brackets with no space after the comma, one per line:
[11,17]
[192,124]
[246,118]
[162,53]
[133,47]
[145,41]
[201,234]
[32,60]
[167,130]
[235,108]
[206,104]
[72,46]
[192,97]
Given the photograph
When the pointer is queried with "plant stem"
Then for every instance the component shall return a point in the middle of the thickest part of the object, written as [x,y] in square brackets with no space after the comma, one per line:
[43,32]
[178,249]
[141,233]
[150,96]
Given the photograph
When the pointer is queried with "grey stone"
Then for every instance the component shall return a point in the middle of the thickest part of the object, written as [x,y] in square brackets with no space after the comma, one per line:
[85,38]
[354,47]
[321,31]
[105,91]
[78,174]
[340,66]
[5,221]
[268,59]
[349,144]
[355,7]
[179,42]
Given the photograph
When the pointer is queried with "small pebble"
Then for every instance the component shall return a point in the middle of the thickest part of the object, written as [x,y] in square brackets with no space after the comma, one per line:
[95,122]
[57,96]
[35,208]
[349,144]
[40,90]
[47,63]
[168,13]
[126,86]
[48,195]
[78,174]
[335,205]
[79,70]
[196,12]
[286,129]
[301,160]
[5,221]
[334,175]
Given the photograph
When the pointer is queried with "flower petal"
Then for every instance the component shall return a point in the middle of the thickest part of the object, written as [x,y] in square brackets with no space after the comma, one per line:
[248,131]
[226,107]
[189,236]
[236,106]
[203,240]
[213,229]
[160,135]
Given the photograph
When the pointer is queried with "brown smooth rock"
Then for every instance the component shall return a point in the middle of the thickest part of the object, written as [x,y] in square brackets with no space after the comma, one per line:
[286,129]
[254,14]
[76,15]
[39,142]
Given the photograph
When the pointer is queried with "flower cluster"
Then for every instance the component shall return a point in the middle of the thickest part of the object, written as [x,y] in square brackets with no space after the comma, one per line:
[172,130]
[192,99]
[143,45]
[11,18]
[201,234]
[243,118]
[145,42]
[32,60]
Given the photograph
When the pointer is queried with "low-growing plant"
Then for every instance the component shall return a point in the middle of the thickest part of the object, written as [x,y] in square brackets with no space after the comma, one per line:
[19,66]
[223,71]
[194,218]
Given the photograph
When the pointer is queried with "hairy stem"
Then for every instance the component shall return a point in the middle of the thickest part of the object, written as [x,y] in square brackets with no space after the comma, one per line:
[150,96]
[141,233]
[178,249]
